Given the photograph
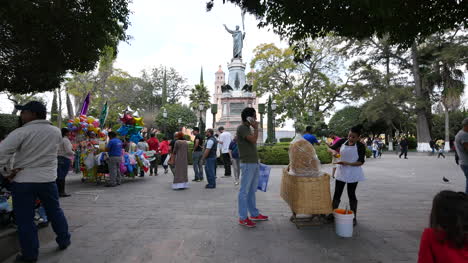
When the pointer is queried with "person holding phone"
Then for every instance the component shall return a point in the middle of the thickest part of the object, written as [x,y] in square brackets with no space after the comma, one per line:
[349,167]
[247,144]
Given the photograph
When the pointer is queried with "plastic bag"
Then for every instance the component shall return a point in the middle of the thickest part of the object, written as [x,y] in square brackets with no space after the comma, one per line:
[303,160]
[89,161]
[264,175]
[167,160]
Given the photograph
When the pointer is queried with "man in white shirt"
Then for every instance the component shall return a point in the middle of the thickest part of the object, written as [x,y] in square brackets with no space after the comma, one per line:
[225,140]
[31,153]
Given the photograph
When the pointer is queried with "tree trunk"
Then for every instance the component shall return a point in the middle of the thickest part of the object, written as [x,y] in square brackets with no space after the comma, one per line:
[422,127]
[59,112]
[390,139]
[447,130]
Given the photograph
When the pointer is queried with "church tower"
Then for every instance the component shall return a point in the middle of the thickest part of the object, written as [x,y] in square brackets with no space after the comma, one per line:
[219,81]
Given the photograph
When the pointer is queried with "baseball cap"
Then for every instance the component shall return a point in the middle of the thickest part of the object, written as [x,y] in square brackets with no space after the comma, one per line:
[32,106]
[465,122]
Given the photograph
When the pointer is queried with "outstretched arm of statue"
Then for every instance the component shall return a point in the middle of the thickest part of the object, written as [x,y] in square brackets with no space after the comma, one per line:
[227,29]
[243,36]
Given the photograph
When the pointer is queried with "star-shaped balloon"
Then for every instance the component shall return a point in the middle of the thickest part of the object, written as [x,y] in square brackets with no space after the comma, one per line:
[139,121]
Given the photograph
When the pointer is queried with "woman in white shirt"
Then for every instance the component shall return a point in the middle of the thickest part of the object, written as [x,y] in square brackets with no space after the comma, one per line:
[64,155]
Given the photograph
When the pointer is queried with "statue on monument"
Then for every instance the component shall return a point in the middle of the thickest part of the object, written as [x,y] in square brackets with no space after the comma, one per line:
[237,38]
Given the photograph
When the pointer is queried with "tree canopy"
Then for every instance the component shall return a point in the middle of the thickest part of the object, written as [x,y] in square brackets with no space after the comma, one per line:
[404,21]
[41,40]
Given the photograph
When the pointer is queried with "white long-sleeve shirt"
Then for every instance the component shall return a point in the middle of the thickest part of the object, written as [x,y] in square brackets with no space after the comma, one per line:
[65,149]
[32,148]
[225,140]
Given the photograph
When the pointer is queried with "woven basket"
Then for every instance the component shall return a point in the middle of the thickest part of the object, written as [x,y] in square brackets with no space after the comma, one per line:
[307,195]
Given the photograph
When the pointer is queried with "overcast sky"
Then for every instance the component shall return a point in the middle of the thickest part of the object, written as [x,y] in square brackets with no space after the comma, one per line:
[181,34]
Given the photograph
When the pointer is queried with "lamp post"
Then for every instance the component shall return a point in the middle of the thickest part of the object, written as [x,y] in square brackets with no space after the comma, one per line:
[179,121]
[310,113]
[261,110]
[273,108]
[165,120]
[214,110]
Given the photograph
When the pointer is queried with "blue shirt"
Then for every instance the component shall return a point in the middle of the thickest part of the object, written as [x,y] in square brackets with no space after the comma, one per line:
[115,147]
[235,150]
[310,138]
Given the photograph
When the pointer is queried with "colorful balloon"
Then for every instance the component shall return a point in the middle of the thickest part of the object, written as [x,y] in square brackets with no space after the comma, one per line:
[139,121]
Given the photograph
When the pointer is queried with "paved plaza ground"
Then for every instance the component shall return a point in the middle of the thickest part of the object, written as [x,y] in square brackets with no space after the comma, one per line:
[145,221]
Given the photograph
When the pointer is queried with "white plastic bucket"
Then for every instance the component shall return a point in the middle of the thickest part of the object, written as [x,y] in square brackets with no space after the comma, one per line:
[343,223]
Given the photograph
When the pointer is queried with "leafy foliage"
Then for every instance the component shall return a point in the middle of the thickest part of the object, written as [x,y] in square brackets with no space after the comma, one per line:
[344,119]
[8,122]
[41,40]
[403,21]
[174,113]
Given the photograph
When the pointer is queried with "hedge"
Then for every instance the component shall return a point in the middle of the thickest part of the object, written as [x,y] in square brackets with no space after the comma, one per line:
[8,123]
[285,139]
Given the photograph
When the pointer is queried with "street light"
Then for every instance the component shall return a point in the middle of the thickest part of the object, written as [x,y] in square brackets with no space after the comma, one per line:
[201,107]
[165,120]
[179,121]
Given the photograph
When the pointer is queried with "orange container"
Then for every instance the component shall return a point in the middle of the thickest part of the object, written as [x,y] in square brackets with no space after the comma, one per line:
[342,211]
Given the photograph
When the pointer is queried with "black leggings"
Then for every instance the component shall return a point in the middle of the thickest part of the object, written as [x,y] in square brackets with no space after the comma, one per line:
[339,187]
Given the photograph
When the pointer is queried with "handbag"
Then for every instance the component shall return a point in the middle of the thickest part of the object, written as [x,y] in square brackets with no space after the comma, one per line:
[264,175]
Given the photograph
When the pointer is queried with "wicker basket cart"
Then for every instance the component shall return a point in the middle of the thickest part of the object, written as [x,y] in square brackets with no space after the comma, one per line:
[307,195]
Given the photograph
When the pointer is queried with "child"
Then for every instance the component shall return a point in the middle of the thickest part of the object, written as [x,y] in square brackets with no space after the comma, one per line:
[446,240]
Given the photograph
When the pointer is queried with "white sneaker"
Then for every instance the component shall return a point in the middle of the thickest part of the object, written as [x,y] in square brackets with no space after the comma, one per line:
[236,183]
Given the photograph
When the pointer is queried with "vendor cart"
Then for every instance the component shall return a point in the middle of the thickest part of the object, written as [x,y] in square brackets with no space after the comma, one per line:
[307,196]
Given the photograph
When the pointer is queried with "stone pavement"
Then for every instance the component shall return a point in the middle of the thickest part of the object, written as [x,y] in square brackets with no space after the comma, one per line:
[145,221]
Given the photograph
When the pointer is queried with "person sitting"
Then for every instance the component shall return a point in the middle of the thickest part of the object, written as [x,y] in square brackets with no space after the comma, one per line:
[446,239]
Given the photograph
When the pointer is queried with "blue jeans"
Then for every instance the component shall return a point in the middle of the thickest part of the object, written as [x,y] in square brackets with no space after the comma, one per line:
[197,165]
[24,197]
[210,169]
[248,187]
[42,213]
[63,166]
[465,171]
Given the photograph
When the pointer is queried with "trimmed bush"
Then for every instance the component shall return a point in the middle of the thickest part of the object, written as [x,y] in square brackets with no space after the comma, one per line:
[368,153]
[412,143]
[8,123]
[323,154]
[285,139]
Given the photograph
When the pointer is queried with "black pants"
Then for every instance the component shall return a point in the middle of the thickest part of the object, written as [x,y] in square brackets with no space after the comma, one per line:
[163,158]
[404,151]
[227,164]
[440,154]
[154,166]
[339,188]
[60,185]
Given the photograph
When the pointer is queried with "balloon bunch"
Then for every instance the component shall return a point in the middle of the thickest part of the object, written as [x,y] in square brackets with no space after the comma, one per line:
[85,125]
[131,125]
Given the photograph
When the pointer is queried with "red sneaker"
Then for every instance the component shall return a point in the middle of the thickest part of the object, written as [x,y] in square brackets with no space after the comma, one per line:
[247,223]
[260,217]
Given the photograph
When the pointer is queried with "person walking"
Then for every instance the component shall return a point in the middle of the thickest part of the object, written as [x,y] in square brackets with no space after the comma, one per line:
[197,155]
[432,145]
[247,143]
[29,155]
[153,144]
[64,156]
[209,156]
[164,150]
[225,140]
[180,152]
[440,151]
[349,171]
[234,154]
[114,149]
[461,146]
[403,147]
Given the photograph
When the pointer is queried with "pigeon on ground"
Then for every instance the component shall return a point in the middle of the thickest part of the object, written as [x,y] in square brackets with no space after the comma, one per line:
[445,179]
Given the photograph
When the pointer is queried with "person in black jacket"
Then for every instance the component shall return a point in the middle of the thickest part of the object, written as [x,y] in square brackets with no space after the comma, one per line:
[404,147]
[349,171]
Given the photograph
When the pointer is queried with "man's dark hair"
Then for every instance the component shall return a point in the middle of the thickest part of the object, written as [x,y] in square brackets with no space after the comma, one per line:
[210,131]
[152,135]
[309,129]
[356,129]
[196,129]
[221,128]
[247,112]
[64,131]
[112,134]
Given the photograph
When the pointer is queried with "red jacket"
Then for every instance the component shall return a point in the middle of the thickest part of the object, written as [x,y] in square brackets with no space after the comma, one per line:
[153,144]
[164,147]
[432,250]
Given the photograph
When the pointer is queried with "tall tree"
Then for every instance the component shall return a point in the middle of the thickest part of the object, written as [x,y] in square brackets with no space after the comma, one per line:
[175,112]
[169,83]
[40,41]
[54,109]
[297,87]
[199,95]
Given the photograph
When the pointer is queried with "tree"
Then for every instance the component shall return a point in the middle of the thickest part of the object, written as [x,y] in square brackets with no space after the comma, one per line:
[298,87]
[175,84]
[40,41]
[455,119]
[54,109]
[344,119]
[20,99]
[175,112]
[403,21]
[200,96]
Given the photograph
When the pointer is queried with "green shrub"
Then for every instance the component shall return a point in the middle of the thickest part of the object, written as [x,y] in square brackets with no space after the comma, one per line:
[187,137]
[278,154]
[285,139]
[8,123]
[412,143]
[160,136]
[323,154]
